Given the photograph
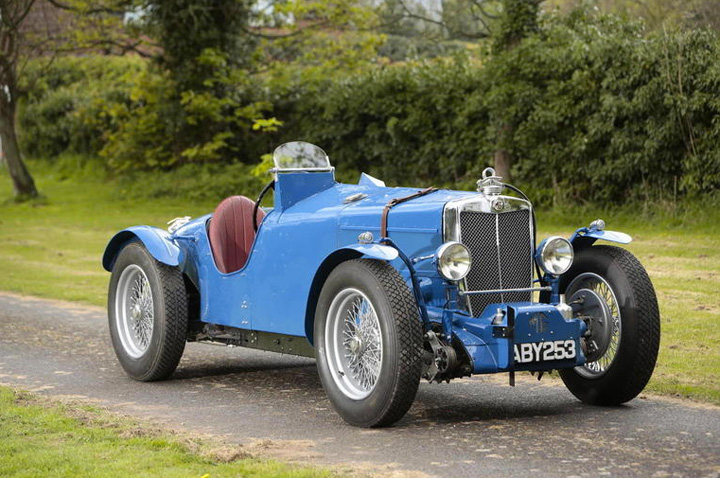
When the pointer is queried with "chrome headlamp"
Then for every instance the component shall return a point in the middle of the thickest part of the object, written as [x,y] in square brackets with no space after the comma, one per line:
[453,261]
[555,255]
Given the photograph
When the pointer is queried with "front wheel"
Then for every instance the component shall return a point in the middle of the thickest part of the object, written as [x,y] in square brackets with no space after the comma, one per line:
[148,314]
[368,341]
[611,290]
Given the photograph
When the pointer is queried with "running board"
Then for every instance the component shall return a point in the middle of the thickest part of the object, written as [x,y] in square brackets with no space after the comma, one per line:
[272,342]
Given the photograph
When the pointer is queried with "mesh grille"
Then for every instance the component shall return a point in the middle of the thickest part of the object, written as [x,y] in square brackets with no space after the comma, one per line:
[507,266]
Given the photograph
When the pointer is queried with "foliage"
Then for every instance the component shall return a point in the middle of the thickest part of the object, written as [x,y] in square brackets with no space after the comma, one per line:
[194,103]
[66,104]
[519,20]
[411,124]
[157,130]
[597,111]
[656,14]
[601,111]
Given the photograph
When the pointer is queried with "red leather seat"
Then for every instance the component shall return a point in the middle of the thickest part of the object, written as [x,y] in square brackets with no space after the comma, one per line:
[231,232]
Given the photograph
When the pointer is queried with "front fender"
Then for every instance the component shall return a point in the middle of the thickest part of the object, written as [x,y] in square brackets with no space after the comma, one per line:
[587,237]
[375,251]
[346,253]
[158,242]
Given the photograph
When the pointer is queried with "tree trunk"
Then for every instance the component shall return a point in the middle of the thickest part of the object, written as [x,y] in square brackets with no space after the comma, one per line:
[519,19]
[23,183]
[503,161]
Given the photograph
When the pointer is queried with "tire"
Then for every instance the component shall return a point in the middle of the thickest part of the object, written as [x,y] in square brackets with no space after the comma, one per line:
[625,367]
[148,314]
[370,367]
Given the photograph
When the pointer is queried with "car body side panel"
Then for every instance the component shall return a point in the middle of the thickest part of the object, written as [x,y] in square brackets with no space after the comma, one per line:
[270,293]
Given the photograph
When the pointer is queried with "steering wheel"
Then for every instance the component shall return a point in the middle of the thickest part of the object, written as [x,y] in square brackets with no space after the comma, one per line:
[264,191]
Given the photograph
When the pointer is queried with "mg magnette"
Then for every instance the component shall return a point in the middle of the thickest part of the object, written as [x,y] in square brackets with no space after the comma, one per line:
[385,287]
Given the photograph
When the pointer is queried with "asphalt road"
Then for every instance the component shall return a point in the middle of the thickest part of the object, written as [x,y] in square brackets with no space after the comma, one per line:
[470,427]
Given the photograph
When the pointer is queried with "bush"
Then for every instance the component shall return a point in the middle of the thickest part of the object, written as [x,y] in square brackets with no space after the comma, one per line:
[597,111]
[64,108]
[413,124]
[600,111]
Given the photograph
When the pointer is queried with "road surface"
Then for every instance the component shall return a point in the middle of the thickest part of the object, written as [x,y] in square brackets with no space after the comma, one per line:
[472,427]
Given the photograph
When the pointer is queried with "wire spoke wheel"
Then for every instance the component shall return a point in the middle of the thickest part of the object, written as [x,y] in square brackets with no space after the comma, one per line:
[600,286]
[147,314]
[354,343]
[134,311]
[624,336]
[368,342]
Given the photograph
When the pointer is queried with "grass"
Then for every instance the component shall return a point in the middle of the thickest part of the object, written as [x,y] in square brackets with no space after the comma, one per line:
[52,248]
[42,438]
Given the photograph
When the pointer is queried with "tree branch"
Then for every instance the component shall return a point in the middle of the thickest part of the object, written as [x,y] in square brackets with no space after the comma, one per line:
[90,11]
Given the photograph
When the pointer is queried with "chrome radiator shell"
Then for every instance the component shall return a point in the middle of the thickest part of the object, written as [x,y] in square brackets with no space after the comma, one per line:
[498,231]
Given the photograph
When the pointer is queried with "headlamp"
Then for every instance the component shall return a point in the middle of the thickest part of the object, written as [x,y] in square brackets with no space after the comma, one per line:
[453,261]
[555,255]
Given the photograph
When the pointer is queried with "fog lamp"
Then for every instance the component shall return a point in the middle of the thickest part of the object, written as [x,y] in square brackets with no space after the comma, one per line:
[453,261]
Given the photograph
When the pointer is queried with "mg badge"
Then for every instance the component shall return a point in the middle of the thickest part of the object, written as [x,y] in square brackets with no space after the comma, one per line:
[538,322]
[498,204]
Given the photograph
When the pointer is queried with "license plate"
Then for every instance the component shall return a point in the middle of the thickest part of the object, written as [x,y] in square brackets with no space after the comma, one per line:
[545,351]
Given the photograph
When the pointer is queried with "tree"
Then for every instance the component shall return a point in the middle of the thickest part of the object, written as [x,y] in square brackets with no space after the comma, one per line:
[505,23]
[518,20]
[44,29]
[12,15]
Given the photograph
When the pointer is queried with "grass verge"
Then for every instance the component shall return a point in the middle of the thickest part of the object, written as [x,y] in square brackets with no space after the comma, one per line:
[42,438]
[52,248]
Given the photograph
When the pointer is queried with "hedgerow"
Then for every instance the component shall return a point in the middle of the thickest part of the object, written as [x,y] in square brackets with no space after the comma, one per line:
[596,109]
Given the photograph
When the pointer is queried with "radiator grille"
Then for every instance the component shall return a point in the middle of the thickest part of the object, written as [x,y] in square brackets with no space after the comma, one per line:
[507,265]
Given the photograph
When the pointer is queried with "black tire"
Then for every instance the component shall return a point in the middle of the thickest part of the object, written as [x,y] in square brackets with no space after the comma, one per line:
[632,360]
[400,331]
[157,356]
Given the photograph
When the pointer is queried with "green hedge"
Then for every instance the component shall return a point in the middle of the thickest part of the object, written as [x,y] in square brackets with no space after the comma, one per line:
[598,112]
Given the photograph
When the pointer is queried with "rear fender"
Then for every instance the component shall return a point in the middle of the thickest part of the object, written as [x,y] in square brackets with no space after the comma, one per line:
[158,242]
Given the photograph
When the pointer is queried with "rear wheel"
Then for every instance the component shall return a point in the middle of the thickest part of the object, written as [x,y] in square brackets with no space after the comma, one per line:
[368,341]
[148,314]
[612,291]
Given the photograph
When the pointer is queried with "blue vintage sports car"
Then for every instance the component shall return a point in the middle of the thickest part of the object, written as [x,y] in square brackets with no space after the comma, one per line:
[385,287]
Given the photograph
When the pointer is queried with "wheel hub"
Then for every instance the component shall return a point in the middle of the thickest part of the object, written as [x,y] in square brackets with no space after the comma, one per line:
[356,345]
[136,312]
[590,307]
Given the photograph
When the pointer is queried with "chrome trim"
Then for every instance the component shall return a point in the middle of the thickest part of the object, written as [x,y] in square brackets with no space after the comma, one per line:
[497,248]
[355,197]
[177,223]
[482,203]
[490,184]
[501,291]
[301,170]
[597,224]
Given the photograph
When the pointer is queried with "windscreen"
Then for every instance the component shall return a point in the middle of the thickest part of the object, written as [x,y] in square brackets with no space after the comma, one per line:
[300,155]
